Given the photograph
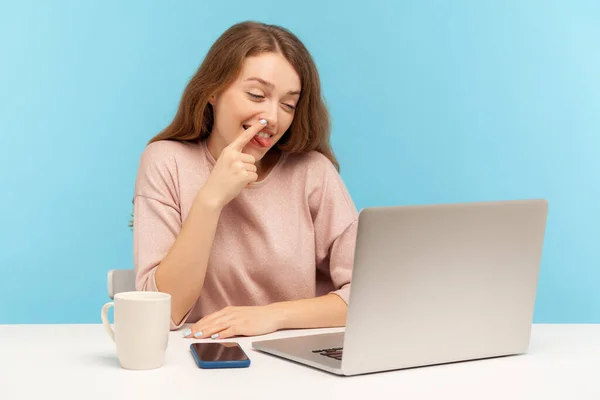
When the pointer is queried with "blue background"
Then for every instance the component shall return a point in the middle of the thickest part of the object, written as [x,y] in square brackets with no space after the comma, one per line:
[431,102]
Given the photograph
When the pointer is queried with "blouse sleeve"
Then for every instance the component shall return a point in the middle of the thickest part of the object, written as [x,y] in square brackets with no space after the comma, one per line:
[156,216]
[335,221]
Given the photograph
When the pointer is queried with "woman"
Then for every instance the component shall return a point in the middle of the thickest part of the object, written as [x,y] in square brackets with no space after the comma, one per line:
[239,211]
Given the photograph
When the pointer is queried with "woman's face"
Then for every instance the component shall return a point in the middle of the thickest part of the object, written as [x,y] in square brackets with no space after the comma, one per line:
[268,88]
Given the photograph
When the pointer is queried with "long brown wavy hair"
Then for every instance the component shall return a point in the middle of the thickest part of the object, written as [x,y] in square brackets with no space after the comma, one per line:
[310,128]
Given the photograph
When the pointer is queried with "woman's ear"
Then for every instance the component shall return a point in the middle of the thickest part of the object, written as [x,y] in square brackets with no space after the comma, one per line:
[212,100]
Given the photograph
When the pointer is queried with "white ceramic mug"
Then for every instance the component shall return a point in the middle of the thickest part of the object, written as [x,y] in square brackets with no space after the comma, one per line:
[142,323]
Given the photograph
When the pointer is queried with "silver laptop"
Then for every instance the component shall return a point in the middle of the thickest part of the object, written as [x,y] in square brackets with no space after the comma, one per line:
[433,284]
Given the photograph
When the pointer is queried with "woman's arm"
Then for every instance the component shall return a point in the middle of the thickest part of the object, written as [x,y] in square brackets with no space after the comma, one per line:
[319,312]
[183,270]
[170,255]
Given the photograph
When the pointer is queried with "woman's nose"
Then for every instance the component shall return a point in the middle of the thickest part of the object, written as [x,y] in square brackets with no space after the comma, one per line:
[271,118]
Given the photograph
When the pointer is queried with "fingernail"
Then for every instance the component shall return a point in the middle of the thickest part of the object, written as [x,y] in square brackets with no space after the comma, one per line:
[216,335]
[187,332]
[197,334]
[263,121]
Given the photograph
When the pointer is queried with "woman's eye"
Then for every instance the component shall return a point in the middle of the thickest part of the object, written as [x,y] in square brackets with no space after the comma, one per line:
[289,106]
[255,96]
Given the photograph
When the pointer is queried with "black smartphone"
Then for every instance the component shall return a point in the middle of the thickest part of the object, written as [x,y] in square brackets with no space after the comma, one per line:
[219,355]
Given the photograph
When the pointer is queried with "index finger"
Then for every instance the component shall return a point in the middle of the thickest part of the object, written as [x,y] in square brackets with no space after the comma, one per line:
[244,138]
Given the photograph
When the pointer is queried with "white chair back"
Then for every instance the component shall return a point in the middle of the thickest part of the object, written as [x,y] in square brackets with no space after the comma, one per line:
[120,280]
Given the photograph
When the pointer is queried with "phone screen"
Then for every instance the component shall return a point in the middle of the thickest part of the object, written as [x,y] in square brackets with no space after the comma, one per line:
[219,351]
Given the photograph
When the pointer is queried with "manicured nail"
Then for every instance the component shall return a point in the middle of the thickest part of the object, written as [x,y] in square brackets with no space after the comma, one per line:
[187,332]
[197,334]
[216,335]
[263,121]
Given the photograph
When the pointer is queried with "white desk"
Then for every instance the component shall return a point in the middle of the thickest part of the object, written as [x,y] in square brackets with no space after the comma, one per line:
[79,362]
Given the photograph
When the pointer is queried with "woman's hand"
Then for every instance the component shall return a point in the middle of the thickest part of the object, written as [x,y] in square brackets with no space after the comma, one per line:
[236,321]
[233,170]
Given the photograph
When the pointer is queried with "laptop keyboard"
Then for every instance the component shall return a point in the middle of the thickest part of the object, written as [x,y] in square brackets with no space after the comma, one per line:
[331,353]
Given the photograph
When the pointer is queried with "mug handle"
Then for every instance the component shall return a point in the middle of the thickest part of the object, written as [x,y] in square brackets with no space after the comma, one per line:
[104,315]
